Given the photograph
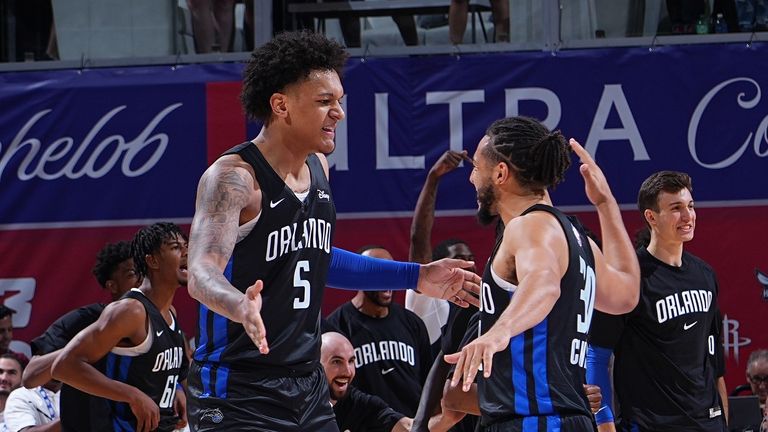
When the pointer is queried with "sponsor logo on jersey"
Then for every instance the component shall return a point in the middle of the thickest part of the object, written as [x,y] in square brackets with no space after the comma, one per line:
[686,302]
[214,414]
[323,195]
[168,359]
[386,371]
[311,234]
[384,350]
[273,204]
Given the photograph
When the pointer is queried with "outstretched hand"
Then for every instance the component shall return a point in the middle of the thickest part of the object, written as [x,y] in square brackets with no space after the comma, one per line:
[250,312]
[449,161]
[595,183]
[476,355]
[446,279]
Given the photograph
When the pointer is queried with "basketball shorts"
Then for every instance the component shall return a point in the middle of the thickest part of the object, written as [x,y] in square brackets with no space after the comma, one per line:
[543,424]
[221,399]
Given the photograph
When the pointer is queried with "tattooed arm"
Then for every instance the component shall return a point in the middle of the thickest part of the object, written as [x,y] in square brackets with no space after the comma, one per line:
[227,192]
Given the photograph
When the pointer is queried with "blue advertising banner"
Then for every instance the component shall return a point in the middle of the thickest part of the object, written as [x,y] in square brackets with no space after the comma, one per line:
[130,143]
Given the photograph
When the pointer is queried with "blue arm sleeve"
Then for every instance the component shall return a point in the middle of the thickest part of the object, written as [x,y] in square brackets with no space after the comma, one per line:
[597,374]
[357,272]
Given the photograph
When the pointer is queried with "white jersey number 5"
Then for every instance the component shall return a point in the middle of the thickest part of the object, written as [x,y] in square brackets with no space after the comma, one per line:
[301,301]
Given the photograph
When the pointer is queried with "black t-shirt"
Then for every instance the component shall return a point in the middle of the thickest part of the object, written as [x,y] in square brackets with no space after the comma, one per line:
[79,411]
[667,350]
[363,412]
[392,354]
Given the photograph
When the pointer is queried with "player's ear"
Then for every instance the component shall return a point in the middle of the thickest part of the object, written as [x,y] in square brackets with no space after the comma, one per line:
[501,172]
[649,216]
[278,103]
[111,287]
[151,261]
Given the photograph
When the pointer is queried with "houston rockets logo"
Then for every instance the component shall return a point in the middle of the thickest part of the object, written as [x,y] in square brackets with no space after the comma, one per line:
[732,340]
[762,278]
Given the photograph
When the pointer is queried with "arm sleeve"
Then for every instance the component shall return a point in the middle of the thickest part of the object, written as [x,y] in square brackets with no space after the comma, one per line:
[597,374]
[353,271]
[604,335]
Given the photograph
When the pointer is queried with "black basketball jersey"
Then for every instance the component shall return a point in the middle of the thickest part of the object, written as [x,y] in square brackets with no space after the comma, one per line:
[542,372]
[156,372]
[289,249]
[392,354]
[666,357]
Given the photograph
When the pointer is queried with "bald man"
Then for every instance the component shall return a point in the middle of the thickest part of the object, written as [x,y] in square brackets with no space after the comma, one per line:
[391,344]
[354,409]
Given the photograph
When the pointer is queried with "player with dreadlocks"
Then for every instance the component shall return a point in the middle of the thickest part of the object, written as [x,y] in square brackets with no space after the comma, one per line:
[541,283]
[141,339]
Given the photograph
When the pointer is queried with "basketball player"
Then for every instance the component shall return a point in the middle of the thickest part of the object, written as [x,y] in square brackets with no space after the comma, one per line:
[541,283]
[81,412]
[141,338]
[260,251]
[668,355]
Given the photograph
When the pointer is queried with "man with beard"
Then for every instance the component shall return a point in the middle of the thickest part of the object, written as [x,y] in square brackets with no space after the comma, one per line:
[355,410]
[392,350]
[10,379]
[141,339]
[541,283]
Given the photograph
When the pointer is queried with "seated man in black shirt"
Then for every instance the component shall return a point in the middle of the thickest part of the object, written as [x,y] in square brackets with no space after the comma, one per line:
[354,409]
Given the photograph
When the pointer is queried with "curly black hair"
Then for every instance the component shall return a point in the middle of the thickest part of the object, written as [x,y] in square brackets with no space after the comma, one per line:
[286,59]
[148,241]
[107,260]
[539,158]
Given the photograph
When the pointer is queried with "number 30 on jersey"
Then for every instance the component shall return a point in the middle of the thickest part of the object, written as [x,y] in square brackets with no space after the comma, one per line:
[587,295]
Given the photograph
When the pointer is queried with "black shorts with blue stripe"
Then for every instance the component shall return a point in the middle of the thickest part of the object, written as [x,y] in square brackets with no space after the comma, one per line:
[577,423]
[224,399]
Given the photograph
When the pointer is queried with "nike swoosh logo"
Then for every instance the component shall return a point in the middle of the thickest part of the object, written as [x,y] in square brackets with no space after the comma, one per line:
[386,371]
[273,204]
[160,333]
[686,326]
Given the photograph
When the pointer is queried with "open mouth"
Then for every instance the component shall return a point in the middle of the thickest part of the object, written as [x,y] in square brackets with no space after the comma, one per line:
[341,383]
